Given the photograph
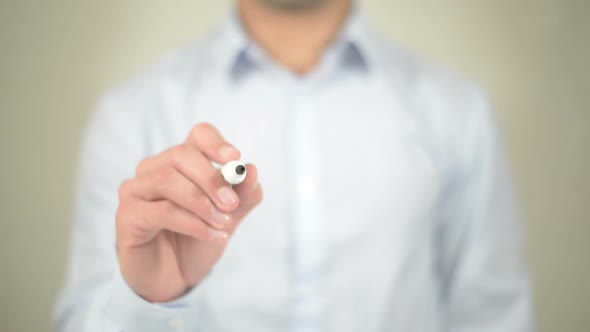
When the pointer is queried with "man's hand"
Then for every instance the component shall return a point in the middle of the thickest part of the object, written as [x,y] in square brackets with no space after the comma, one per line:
[176,215]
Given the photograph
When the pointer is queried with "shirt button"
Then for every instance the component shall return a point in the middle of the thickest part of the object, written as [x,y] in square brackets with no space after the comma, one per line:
[176,323]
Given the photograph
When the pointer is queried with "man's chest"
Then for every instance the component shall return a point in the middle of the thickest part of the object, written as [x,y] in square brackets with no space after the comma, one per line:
[349,194]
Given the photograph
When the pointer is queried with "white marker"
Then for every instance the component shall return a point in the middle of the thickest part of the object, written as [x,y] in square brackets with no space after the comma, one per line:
[234,172]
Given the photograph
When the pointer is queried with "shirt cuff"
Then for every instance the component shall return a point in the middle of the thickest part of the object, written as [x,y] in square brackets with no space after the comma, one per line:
[130,312]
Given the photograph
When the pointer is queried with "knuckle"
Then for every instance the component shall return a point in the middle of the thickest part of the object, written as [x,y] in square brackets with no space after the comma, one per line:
[124,188]
[199,130]
[140,168]
[124,215]
[130,222]
[202,127]
[177,155]
[120,215]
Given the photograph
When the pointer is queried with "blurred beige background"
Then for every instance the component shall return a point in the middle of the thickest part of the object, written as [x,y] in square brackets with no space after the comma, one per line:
[57,57]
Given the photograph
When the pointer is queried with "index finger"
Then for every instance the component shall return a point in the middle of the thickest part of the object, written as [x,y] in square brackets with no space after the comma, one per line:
[207,139]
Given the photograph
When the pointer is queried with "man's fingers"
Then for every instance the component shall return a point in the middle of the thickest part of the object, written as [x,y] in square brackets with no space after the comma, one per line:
[207,139]
[165,199]
[160,215]
[169,184]
[191,163]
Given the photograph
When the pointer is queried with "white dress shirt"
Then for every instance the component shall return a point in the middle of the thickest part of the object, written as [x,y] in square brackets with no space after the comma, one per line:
[388,204]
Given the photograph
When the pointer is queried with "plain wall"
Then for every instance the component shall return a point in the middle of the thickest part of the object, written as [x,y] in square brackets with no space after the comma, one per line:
[57,57]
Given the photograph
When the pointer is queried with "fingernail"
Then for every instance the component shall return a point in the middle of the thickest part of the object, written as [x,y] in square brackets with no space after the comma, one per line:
[218,235]
[228,152]
[220,217]
[227,196]
[255,186]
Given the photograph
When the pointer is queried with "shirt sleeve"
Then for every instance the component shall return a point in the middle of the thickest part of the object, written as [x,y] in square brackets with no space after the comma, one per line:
[95,296]
[484,283]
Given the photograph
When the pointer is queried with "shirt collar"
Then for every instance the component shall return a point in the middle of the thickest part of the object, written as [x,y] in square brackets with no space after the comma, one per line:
[239,55]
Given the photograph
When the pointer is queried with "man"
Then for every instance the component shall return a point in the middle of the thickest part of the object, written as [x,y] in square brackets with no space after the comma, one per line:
[387,203]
